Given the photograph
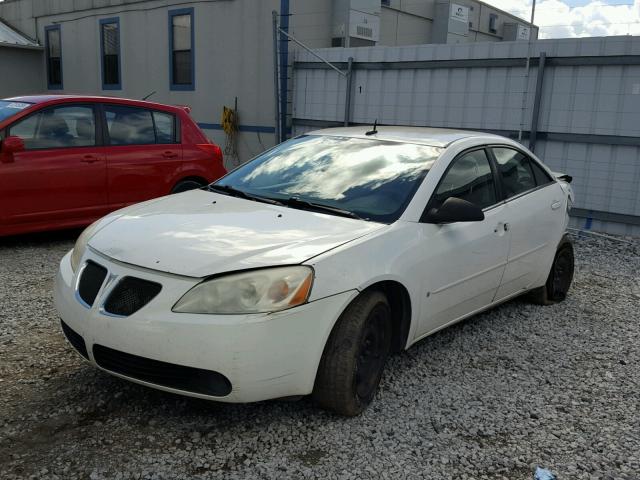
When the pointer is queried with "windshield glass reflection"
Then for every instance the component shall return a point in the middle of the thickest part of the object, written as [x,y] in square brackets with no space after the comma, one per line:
[371,178]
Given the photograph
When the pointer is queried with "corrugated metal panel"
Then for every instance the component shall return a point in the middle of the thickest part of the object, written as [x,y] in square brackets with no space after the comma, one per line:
[9,36]
[584,99]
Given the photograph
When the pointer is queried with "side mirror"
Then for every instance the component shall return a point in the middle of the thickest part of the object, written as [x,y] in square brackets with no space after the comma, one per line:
[9,147]
[454,210]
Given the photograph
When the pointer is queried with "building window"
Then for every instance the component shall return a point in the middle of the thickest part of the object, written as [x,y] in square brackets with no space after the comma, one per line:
[386,3]
[53,48]
[181,60]
[110,51]
[493,20]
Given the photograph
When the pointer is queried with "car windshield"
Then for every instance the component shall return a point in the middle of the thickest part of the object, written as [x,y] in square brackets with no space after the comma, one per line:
[366,178]
[8,108]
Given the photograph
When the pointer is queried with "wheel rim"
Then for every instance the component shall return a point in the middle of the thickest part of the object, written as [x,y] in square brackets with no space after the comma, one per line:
[372,354]
[562,273]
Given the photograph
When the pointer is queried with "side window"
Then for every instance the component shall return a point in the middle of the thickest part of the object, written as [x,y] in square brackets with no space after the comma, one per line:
[129,125]
[165,127]
[469,178]
[515,170]
[58,127]
[26,129]
[542,177]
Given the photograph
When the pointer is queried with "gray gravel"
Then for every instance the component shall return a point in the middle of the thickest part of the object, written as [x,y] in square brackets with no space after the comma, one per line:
[492,397]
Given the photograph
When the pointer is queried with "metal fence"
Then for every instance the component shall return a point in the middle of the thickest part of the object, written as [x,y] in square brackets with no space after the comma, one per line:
[578,106]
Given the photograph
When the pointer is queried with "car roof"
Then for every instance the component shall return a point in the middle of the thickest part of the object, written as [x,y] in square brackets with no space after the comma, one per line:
[41,99]
[435,137]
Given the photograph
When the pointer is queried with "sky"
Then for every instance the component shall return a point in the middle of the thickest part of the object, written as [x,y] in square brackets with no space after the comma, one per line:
[578,18]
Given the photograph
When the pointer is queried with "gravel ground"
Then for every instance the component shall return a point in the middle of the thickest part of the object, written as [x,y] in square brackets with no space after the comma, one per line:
[492,397]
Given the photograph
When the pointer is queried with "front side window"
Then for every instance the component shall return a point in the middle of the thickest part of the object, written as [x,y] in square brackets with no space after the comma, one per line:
[58,127]
[110,48]
[129,125]
[371,178]
[469,178]
[181,46]
[515,170]
[53,47]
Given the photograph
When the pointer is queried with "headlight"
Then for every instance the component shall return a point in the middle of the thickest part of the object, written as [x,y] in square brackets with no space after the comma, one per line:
[257,291]
[81,245]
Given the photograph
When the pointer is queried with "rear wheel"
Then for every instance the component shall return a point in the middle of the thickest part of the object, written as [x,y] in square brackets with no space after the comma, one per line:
[355,355]
[185,185]
[560,277]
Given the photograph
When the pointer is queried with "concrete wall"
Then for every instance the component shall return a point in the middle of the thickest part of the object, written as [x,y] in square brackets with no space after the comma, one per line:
[589,123]
[25,71]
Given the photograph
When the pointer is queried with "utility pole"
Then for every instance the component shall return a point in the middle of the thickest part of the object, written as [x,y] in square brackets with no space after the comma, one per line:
[525,93]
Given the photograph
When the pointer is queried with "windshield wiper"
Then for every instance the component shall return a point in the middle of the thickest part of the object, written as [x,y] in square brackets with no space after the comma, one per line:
[296,202]
[234,192]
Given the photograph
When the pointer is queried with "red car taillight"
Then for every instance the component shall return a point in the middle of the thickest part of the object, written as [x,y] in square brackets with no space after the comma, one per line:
[212,150]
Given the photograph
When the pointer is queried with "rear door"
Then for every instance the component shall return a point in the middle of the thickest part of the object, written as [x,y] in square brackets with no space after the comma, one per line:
[535,215]
[61,175]
[143,154]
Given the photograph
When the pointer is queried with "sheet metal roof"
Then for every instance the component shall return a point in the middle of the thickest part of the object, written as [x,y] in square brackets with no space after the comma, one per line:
[9,37]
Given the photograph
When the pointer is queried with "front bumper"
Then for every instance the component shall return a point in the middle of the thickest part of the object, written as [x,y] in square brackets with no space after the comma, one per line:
[263,356]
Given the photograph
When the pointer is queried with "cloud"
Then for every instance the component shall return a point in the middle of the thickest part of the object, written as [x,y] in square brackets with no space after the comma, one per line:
[557,19]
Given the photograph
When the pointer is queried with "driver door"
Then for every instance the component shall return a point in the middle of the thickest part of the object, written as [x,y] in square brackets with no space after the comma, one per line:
[463,262]
[61,174]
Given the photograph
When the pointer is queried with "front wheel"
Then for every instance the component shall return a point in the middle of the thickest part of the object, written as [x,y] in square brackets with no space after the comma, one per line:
[560,277]
[355,355]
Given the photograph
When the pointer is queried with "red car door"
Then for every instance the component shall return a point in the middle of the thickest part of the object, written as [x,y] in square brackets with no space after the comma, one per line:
[143,155]
[60,177]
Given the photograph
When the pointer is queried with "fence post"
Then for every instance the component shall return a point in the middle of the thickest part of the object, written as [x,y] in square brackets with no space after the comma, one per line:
[535,116]
[276,83]
[347,100]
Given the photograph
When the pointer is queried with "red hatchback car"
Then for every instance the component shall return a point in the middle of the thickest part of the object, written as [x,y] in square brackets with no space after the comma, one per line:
[68,160]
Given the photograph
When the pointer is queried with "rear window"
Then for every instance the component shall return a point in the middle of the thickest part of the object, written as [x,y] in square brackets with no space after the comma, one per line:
[129,125]
[139,126]
[9,109]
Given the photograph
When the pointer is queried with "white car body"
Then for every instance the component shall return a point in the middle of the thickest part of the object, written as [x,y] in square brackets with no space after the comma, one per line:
[448,271]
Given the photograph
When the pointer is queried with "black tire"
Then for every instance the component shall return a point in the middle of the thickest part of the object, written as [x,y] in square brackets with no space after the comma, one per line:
[560,277]
[354,356]
[185,185]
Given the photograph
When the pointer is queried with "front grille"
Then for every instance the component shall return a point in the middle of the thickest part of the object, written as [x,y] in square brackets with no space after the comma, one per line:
[188,379]
[75,339]
[130,295]
[90,282]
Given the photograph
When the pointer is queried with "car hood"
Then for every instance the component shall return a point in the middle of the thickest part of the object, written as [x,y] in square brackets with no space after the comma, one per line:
[201,233]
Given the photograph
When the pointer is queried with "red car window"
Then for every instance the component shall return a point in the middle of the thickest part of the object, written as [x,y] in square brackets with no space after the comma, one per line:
[58,127]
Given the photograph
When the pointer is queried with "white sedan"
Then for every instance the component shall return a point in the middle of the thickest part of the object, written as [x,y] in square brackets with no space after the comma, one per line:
[302,270]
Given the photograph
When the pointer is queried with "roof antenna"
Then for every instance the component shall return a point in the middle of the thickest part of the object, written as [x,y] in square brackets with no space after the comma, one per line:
[374,131]
[147,96]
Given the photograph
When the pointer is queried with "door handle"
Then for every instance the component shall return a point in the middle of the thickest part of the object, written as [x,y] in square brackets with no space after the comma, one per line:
[89,159]
[169,154]
[556,205]
[502,226]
